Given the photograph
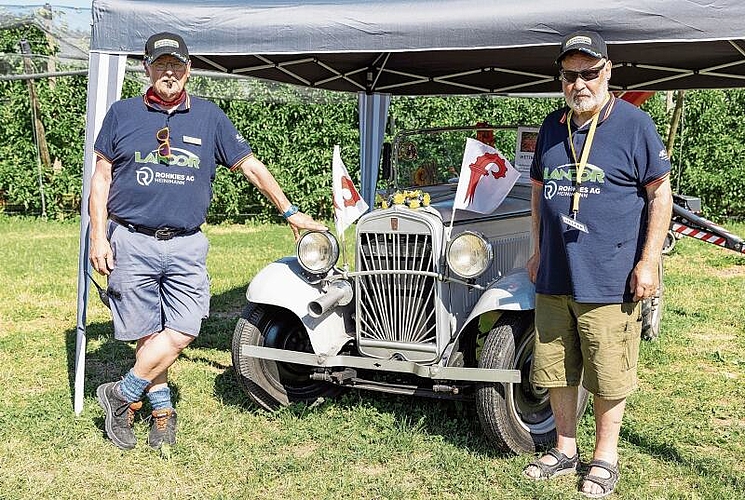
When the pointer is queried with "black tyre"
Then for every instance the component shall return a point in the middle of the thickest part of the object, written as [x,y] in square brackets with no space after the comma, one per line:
[272,384]
[652,311]
[516,417]
[670,240]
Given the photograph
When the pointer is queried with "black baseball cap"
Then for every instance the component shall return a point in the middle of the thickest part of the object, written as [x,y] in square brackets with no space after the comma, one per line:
[166,44]
[587,42]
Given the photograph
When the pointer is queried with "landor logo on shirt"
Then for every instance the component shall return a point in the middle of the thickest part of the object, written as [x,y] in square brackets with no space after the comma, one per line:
[179,158]
[559,181]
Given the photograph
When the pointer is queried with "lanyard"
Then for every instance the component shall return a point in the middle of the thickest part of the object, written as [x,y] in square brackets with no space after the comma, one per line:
[585,153]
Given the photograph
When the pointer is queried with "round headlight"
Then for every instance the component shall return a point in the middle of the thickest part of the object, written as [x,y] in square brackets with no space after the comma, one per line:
[317,251]
[469,254]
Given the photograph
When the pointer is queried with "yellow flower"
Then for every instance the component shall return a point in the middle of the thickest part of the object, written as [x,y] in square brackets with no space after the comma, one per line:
[384,204]
[398,199]
[426,199]
[414,204]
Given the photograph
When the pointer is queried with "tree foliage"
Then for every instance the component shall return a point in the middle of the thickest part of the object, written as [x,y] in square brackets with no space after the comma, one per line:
[294,130]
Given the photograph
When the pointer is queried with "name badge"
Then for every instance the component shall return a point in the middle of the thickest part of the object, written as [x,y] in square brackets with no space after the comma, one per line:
[573,223]
[192,140]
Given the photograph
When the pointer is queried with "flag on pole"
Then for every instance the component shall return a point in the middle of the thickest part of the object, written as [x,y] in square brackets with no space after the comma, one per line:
[348,204]
[486,177]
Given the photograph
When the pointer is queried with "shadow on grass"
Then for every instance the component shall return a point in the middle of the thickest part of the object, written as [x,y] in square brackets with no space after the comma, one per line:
[704,466]
[454,421]
[112,358]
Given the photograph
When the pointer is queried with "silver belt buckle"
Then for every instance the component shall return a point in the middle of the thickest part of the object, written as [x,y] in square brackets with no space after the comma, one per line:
[165,233]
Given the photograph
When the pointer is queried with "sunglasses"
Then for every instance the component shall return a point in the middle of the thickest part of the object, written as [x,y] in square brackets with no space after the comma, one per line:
[176,67]
[587,75]
[164,148]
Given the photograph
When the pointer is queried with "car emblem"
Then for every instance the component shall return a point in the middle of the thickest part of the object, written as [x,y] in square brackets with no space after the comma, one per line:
[394,223]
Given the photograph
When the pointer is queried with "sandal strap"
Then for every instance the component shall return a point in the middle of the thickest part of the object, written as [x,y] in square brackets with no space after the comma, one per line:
[563,462]
[608,484]
[602,464]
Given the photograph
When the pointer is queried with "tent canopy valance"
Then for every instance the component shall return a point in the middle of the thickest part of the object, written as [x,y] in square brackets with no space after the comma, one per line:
[414,47]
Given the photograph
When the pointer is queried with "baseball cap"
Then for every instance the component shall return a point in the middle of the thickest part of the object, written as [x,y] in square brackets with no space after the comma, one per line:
[587,42]
[162,44]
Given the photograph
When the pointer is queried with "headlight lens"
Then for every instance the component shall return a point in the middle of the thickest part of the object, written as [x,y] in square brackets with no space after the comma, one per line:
[469,254]
[317,251]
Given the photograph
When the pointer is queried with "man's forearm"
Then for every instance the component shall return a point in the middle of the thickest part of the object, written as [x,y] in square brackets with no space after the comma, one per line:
[659,210]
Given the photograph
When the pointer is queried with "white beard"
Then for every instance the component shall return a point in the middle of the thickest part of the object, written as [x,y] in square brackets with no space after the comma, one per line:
[588,103]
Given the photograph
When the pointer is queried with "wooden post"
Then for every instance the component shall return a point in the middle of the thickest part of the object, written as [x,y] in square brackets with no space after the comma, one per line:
[40,135]
[42,152]
[674,121]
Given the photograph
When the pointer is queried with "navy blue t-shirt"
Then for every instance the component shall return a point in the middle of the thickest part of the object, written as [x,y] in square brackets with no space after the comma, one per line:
[626,155]
[148,190]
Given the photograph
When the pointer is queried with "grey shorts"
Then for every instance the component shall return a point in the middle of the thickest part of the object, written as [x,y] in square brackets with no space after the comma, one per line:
[157,284]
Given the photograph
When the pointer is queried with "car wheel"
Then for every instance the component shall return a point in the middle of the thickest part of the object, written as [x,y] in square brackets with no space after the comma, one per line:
[516,417]
[272,384]
[652,311]
[669,245]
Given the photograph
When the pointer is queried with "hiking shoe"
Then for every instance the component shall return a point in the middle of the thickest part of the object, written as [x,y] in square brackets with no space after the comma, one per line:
[162,428]
[120,415]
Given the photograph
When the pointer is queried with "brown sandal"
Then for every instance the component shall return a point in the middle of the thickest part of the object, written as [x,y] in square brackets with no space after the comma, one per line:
[564,465]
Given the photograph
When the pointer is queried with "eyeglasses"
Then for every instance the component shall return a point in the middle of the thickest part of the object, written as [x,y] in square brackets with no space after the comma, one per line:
[164,138]
[587,75]
[176,67]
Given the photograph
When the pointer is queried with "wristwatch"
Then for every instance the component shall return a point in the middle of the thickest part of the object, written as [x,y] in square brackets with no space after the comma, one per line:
[292,210]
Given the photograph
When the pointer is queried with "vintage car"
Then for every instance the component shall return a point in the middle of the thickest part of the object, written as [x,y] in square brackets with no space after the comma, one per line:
[437,304]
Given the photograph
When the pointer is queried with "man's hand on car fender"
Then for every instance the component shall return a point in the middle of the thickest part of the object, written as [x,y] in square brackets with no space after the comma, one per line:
[300,221]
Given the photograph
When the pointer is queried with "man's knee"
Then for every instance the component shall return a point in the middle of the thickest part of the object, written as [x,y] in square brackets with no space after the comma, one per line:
[178,340]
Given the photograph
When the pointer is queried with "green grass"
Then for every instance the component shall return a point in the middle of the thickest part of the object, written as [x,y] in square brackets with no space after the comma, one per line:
[683,435]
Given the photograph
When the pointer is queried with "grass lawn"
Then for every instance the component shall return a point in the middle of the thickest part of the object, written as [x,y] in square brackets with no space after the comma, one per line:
[683,435]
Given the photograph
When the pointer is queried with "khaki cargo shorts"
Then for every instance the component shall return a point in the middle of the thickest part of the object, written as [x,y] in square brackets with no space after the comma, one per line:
[600,339]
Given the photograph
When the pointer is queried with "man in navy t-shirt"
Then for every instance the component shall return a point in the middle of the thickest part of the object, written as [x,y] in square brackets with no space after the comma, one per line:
[150,191]
[601,207]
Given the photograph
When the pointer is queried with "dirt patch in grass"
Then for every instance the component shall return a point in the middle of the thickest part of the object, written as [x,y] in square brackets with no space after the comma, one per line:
[730,272]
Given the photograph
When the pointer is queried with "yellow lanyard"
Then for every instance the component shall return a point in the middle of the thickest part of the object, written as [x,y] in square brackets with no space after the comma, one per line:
[585,153]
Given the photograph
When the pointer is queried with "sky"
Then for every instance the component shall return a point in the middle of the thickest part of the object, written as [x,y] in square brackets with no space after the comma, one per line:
[62,3]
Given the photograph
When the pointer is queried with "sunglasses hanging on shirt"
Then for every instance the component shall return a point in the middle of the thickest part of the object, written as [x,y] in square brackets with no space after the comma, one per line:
[164,138]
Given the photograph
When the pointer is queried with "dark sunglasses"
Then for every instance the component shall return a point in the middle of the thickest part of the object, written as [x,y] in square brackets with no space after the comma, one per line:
[164,148]
[587,75]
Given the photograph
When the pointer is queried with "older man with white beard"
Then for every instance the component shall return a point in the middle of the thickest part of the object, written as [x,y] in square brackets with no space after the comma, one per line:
[601,206]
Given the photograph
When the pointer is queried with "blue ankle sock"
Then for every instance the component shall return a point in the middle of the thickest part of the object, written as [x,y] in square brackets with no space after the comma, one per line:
[160,399]
[132,387]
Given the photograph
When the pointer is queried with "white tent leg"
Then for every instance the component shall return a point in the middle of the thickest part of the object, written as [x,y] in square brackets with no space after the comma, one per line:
[105,79]
[373,109]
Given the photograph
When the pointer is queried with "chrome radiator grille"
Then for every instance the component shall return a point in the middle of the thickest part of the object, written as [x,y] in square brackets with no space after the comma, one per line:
[396,303]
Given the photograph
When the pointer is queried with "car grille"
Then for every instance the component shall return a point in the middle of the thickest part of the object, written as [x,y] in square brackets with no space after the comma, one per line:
[396,302]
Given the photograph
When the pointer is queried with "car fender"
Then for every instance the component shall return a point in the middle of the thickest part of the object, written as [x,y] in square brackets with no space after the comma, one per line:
[513,292]
[281,284]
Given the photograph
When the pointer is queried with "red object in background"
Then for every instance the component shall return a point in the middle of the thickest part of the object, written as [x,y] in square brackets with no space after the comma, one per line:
[635,97]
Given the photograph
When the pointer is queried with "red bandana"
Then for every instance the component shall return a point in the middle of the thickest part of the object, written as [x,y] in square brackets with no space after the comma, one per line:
[151,97]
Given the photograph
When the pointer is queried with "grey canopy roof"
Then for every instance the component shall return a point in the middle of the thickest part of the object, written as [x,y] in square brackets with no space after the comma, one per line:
[416,47]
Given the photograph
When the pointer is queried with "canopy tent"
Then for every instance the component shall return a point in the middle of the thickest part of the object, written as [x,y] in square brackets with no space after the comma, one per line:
[408,47]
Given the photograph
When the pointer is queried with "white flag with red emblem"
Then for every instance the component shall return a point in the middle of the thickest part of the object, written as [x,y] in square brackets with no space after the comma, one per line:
[486,177]
[348,204]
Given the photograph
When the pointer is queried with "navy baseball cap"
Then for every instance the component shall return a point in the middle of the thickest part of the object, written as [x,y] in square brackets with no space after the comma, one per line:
[587,42]
[166,44]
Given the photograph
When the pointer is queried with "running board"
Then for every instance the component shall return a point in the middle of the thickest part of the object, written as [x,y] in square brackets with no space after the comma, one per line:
[385,365]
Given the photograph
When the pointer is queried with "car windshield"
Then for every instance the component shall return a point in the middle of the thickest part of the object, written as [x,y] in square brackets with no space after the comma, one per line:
[427,157]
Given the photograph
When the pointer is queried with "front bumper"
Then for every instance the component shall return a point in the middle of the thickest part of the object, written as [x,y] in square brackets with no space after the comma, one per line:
[425,371]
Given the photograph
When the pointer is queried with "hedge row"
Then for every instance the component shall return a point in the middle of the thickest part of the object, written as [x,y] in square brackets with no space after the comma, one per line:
[293,131]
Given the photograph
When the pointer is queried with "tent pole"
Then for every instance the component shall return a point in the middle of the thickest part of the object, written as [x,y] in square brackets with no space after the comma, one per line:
[105,79]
